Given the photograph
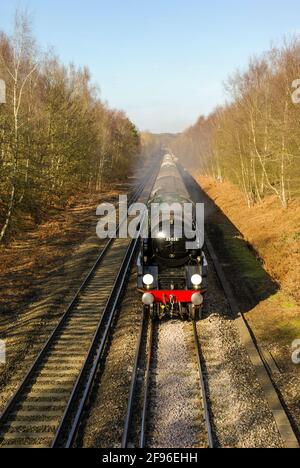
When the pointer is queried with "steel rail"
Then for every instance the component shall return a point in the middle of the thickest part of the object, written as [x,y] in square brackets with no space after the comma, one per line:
[86,378]
[271,392]
[39,359]
[147,383]
[264,374]
[84,384]
[202,388]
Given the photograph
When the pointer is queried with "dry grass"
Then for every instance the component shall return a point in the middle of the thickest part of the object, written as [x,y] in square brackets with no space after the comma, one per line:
[274,233]
[271,230]
[268,291]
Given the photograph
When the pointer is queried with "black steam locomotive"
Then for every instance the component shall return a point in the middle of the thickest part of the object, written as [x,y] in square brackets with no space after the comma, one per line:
[172,268]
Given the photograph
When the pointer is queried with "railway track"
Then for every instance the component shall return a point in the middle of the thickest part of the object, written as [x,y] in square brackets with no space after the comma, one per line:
[46,409]
[138,417]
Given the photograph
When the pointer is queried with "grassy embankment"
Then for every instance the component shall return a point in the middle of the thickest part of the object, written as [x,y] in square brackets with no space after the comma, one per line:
[269,243]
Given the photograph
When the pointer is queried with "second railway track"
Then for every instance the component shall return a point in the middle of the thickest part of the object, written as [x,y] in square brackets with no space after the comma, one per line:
[274,400]
[45,410]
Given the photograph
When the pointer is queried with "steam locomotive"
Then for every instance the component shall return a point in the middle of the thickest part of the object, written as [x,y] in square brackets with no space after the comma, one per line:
[172,276]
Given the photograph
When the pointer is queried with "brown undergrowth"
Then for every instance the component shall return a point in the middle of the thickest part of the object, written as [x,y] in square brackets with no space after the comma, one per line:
[40,271]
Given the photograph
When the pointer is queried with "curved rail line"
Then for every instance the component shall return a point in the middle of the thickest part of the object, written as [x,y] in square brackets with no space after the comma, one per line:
[130,432]
[46,408]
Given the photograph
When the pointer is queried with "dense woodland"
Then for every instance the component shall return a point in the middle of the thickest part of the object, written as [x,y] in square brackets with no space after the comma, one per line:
[254,140]
[56,136]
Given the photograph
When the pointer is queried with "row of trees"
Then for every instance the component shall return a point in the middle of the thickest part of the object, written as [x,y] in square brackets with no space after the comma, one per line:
[254,140]
[56,136]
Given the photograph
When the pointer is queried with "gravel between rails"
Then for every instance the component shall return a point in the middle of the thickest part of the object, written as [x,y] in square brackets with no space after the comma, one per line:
[241,416]
[176,416]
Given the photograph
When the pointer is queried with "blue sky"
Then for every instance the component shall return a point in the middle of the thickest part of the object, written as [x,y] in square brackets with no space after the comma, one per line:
[162,61]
